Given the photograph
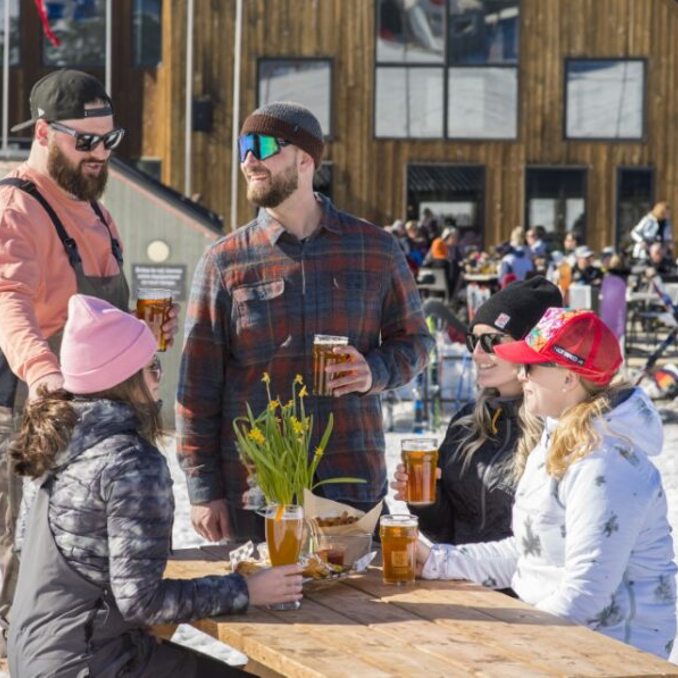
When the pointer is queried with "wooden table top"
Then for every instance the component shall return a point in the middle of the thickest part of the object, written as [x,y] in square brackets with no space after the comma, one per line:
[362,627]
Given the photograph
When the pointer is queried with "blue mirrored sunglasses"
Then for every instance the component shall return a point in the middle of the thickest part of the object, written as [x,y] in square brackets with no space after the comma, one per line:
[261,146]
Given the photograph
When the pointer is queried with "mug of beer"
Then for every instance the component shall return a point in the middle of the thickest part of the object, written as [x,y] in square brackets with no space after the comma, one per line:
[153,306]
[284,536]
[420,458]
[399,534]
[322,357]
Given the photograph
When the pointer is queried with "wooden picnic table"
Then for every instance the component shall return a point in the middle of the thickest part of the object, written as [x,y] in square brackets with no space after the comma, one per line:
[361,627]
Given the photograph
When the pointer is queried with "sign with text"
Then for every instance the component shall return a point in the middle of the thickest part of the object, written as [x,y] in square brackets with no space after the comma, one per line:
[171,278]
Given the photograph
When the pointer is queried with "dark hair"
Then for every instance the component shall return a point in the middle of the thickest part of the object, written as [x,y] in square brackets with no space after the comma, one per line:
[49,420]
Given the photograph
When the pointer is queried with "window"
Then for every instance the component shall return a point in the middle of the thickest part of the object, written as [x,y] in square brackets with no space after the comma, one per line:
[635,197]
[556,199]
[81,27]
[306,81]
[147,32]
[454,193]
[446,68]
[604,99]
[14,32]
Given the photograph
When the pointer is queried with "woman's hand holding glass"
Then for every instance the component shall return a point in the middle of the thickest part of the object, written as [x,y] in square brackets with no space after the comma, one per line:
[275,585]
[399,483]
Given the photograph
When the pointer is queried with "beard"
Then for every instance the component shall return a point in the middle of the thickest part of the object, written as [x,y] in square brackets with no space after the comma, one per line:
[279,188]
[71,177]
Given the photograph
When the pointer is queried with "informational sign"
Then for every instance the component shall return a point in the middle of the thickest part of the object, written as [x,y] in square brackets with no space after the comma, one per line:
[160,276]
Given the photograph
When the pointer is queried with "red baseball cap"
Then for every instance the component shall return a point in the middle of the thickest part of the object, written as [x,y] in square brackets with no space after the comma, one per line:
[573,338]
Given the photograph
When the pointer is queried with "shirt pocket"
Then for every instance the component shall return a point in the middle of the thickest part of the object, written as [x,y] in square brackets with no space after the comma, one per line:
[357,306]
[261,325]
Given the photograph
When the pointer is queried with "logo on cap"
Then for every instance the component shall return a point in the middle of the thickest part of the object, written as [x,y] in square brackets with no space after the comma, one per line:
[502,320]
[567,355]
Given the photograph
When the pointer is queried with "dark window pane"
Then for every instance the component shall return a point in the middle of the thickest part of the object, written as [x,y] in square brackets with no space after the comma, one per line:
[81,27]
[634,199]
[454,193]
[604,99]
[410,32]
[14,32]
[483,32]
[556,200]
[482,103]
[147,32]
[409,102]
[306,81]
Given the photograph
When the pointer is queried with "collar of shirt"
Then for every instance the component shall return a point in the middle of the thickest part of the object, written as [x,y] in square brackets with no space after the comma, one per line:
[274,229]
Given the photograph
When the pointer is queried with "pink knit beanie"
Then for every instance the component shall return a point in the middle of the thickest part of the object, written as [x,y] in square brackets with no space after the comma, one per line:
[102,345]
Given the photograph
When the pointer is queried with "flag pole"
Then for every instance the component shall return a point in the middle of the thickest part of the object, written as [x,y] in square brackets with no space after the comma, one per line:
[188,149]
[235,156]
[5,80]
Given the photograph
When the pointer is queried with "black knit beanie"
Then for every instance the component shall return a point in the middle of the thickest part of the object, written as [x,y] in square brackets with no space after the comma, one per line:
[519,306]
[291,122]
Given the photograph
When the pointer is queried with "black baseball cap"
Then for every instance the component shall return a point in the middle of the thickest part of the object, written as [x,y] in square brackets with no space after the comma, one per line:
[63,94]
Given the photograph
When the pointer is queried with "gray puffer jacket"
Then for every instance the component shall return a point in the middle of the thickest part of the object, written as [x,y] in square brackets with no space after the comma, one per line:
[111,513]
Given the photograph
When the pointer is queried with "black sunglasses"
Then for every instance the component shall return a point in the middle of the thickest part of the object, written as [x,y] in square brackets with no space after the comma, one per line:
[528,367]
[87,142]
[487,341]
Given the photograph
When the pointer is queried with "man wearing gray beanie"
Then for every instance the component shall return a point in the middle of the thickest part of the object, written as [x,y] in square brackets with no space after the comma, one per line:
[260,295]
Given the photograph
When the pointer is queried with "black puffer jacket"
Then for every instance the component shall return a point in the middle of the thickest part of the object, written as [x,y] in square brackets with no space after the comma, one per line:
[473,504]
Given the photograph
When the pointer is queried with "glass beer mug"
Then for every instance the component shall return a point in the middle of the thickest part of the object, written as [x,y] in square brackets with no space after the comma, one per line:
[399,534]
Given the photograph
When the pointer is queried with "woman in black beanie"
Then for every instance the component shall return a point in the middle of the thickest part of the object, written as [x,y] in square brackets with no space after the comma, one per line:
[484,451]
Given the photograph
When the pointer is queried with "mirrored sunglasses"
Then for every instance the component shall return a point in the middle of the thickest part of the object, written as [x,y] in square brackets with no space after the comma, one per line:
[262,146]
[87,142]
[487,341]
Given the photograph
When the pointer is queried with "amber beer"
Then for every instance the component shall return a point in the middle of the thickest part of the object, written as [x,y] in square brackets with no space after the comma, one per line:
[399,533]
[322,357]
[154,306]
[420,457]
[284,533]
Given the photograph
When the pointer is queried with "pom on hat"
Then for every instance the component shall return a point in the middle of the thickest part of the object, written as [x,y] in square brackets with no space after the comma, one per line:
[289,121]
[102,346]
[517,308]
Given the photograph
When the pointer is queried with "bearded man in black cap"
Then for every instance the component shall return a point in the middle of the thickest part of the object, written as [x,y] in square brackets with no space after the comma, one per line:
[260,295]
[55,240]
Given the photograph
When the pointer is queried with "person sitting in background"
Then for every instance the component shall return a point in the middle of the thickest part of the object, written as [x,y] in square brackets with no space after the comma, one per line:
[479,460]
[534,238]
[659,261]
[605,255]
[570,244]
[653,227]
[417,244]
[592,542]
[584,272]
[517,263]
[98,537]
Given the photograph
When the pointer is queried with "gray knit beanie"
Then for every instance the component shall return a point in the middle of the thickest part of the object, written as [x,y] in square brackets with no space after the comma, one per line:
[291,122]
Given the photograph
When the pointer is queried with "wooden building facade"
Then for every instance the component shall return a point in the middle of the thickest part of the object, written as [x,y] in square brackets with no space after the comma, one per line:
[493,113]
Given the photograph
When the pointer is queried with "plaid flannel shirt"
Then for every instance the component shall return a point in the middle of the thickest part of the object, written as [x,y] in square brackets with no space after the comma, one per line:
[258,297]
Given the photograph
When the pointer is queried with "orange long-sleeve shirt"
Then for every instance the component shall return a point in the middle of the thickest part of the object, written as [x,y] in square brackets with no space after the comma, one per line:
[36,278]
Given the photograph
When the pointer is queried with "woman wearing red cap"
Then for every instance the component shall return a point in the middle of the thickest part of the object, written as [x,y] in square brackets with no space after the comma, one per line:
[98,536]
[592,541]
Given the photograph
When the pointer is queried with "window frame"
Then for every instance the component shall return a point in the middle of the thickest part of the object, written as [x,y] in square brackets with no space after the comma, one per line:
[644,103]
[143,65]
[652,171]
[327,135]
[445,66]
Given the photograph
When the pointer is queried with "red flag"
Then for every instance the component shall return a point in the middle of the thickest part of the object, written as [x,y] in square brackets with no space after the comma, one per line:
[42,13]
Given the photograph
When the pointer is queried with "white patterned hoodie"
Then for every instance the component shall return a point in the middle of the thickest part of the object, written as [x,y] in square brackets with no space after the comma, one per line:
[594,547]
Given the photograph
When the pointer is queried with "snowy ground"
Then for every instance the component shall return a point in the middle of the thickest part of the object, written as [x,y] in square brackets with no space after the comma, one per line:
[184,536]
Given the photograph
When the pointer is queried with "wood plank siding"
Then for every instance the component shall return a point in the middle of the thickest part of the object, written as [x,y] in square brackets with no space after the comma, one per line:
[369,174]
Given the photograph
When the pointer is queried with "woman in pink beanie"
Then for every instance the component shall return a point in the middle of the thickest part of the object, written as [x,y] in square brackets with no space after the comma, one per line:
[98,537]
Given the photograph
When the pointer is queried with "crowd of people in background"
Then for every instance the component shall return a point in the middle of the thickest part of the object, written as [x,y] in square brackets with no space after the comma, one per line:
[438,243]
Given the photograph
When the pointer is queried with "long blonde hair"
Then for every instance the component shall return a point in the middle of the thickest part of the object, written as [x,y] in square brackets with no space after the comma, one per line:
[480,426]
[575,436]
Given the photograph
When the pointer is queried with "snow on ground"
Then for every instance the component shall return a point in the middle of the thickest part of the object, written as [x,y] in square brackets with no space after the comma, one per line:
[184,535]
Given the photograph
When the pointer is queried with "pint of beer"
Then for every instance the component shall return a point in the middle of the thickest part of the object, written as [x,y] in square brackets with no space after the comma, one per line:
[153,306]
[399,533]
[284,533]
[420,457]
[322,357]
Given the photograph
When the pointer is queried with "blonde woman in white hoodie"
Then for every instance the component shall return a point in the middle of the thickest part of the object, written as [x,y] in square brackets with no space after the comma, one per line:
[592,542]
